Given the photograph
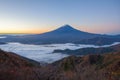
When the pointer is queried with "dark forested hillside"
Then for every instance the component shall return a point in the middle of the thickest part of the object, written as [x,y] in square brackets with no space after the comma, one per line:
[89,67]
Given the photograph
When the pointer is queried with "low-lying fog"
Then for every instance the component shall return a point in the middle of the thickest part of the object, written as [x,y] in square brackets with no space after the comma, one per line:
[43,53]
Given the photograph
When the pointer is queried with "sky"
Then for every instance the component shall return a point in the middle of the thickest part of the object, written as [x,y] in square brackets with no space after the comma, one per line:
[38,16]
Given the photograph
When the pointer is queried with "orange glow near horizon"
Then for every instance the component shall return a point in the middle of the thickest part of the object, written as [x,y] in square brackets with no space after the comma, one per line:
[39,30]
[13,26]
[33,31]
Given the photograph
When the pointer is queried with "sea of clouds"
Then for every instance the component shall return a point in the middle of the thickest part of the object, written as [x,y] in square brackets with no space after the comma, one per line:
[43,53]
[1,37]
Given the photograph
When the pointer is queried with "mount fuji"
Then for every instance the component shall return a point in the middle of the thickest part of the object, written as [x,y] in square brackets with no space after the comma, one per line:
[64,34]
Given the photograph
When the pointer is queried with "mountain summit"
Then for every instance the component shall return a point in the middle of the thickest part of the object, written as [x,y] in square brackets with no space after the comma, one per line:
[67,26]
[67,29]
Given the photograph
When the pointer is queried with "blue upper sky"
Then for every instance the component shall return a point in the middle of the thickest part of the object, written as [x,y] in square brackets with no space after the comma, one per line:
[36,16]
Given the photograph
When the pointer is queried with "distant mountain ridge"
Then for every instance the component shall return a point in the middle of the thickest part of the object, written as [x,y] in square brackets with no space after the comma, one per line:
[89,50]
[64,34]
